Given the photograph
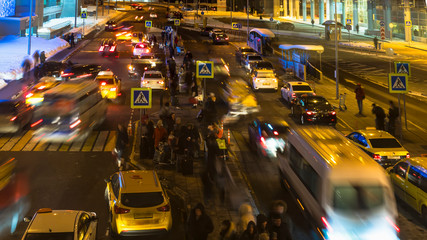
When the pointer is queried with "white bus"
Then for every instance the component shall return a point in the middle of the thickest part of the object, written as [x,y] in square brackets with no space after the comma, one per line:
[343,192]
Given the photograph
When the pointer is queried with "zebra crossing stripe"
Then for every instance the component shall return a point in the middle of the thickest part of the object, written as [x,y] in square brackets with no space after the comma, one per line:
[64,147]
[111,142]
[99,144]
[76,146]
[9,145]
[23,141]
[4,139]
[41,146]
[87,147]
[53,147]
[30,145]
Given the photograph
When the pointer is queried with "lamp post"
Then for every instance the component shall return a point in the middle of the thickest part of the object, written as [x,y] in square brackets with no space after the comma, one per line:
[30,27]
[336,53]
[247,14]
[390,25]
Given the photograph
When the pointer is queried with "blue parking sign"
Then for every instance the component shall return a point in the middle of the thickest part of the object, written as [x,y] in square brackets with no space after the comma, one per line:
[205,69]
[141,98]
[148,24]
[398,83]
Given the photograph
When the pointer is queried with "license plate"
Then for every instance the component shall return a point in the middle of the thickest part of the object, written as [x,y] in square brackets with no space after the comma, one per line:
[265,83]
[394,157]
[143,215]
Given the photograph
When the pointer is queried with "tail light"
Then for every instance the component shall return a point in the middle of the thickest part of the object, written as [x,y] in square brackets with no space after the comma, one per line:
[84,75]
[160,82]
[333,113]
[393,224]
[101,49]
[130,67]
[67,74]
[327,225]
[119,210]
[294,95]
[41,87]
[376,157]
[274,80]
[226,38]
[309,113]
[407,155]
[74,124]
[147,50]
[165,208]
[113,89]
[217,38]
[145,68]
[112,48]
[103,83]
[37,123]
[144,82]
[275,133]
[13,119]
[263,142]
[29,95]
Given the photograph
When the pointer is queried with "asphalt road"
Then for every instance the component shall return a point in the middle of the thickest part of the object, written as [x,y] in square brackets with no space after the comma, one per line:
[75,180]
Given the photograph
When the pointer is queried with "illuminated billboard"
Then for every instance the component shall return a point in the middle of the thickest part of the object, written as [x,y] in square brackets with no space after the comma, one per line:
[7,8]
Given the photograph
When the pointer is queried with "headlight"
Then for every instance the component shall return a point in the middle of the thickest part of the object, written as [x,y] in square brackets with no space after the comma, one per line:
[130,67]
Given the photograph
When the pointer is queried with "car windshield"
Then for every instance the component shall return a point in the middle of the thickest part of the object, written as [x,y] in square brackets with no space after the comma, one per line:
[264,65]
[255,58]
[50,236]
[7,108]
[358,197]
[301,88]
[384,143]
[142,200]
[105,80]
[280,129]
[220,35]
[153,75]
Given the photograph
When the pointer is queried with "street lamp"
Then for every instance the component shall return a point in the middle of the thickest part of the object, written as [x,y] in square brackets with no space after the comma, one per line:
[336,53]
[30,27]
[390,25]
[247,13]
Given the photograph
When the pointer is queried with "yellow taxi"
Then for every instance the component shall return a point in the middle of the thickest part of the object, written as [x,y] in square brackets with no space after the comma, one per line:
[409,179]
[109,84]
[35,96]
[61,224]
[138,205]
[123,36]
[138,37]
[380,145]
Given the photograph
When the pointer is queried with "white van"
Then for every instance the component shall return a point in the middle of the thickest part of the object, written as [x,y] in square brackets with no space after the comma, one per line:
[70,111]
[343,191]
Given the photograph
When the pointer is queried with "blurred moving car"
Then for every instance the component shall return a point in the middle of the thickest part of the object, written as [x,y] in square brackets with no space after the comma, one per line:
[153,15]
[242,52]
[215,31]
[220,38]
[109,84]
[126,26]
[35,95]
[139,7]
[138,204]
[15,115]
[111,26]
[409,180]
[81,71]
[264,79]
[61,224]
[138,37]
[266,136]
[292,90]
[141,49]
[313,109]
[139,18]
[124,36]
[380,145]
[108,48]
[153,80]
[251,59]
[285,26]
[145,63]
[70,112]
[134,5]
[50,69]
[205,31]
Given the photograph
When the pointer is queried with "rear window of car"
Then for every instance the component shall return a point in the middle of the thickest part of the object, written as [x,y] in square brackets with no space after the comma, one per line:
[265,75]
[301,88]
[255,58]
[7,107]
[142,200]
[280,129]
[317,101]
[266,65]
[384,143]
[141,46]
[106,80]
[245,50]
[153,75]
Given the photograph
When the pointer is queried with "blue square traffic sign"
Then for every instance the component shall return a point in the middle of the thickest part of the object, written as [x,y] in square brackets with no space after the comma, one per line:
[141,98]
[168,28]
[177,22]
[148,24]
[398,83]
[205,69]
[402,67]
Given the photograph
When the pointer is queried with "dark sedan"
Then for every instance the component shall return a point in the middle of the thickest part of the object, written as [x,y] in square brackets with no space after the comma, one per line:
[313,109]
[205,31]
[220,38]
[242,52]
[81,71]
[50,69]
[111,26]
[108,48]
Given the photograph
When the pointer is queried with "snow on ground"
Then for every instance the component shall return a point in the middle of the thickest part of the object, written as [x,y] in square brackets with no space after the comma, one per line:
[13,51]
[357,44]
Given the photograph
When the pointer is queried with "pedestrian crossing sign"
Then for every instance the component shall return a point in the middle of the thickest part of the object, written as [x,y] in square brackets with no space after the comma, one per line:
[84,13]
[141,98]
[177,22]
[398,83]
[402,67]
[148,24]
[348,21]
[205,69]
[408,23]
[234,26]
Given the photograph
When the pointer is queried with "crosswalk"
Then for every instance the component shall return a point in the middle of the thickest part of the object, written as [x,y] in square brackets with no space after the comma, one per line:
[361,69]
[97,141]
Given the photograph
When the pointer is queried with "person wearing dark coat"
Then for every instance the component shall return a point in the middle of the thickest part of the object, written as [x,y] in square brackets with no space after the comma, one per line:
[279,227]
[121,141]
[379,116]
[262,229]
[393,115]
[250,233]
[199,224]
[210,111]
[360,96]
[150,139]
[228,231]
[72,40]
[42,57]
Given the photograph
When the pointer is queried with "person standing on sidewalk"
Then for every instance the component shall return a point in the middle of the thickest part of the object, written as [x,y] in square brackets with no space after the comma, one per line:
[199,224]
[279,228]
[379,116]
[72,40]
[228,231]
[250,233]
[376,42]
[360,95]
[393,115]
[357,28]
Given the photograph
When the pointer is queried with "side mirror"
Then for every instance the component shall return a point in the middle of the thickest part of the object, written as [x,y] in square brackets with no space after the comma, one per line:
[27,219]
[107,180]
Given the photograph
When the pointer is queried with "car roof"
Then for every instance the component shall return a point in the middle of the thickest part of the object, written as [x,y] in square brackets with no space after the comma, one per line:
[136,181]
[299,83]
[246,48]
[152,72]
[53,221]
[264,71]
[419,163]
[273,120]
[105,73]
[373,133]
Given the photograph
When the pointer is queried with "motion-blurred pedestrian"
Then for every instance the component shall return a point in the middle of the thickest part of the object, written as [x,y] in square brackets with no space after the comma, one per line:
[160,133]
[393,115]
[228,231]
[72,43]
[376,42]
[199,224]
[357,28]
[246,215]
[210,111]
[250,233]
[279,228]
[360,96]
[262,229]
[36,58]
[171,51]
[379,116]
[150,138]
[121,142]
[42,57]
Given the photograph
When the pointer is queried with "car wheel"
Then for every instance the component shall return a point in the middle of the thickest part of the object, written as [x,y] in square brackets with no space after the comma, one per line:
[302,120]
